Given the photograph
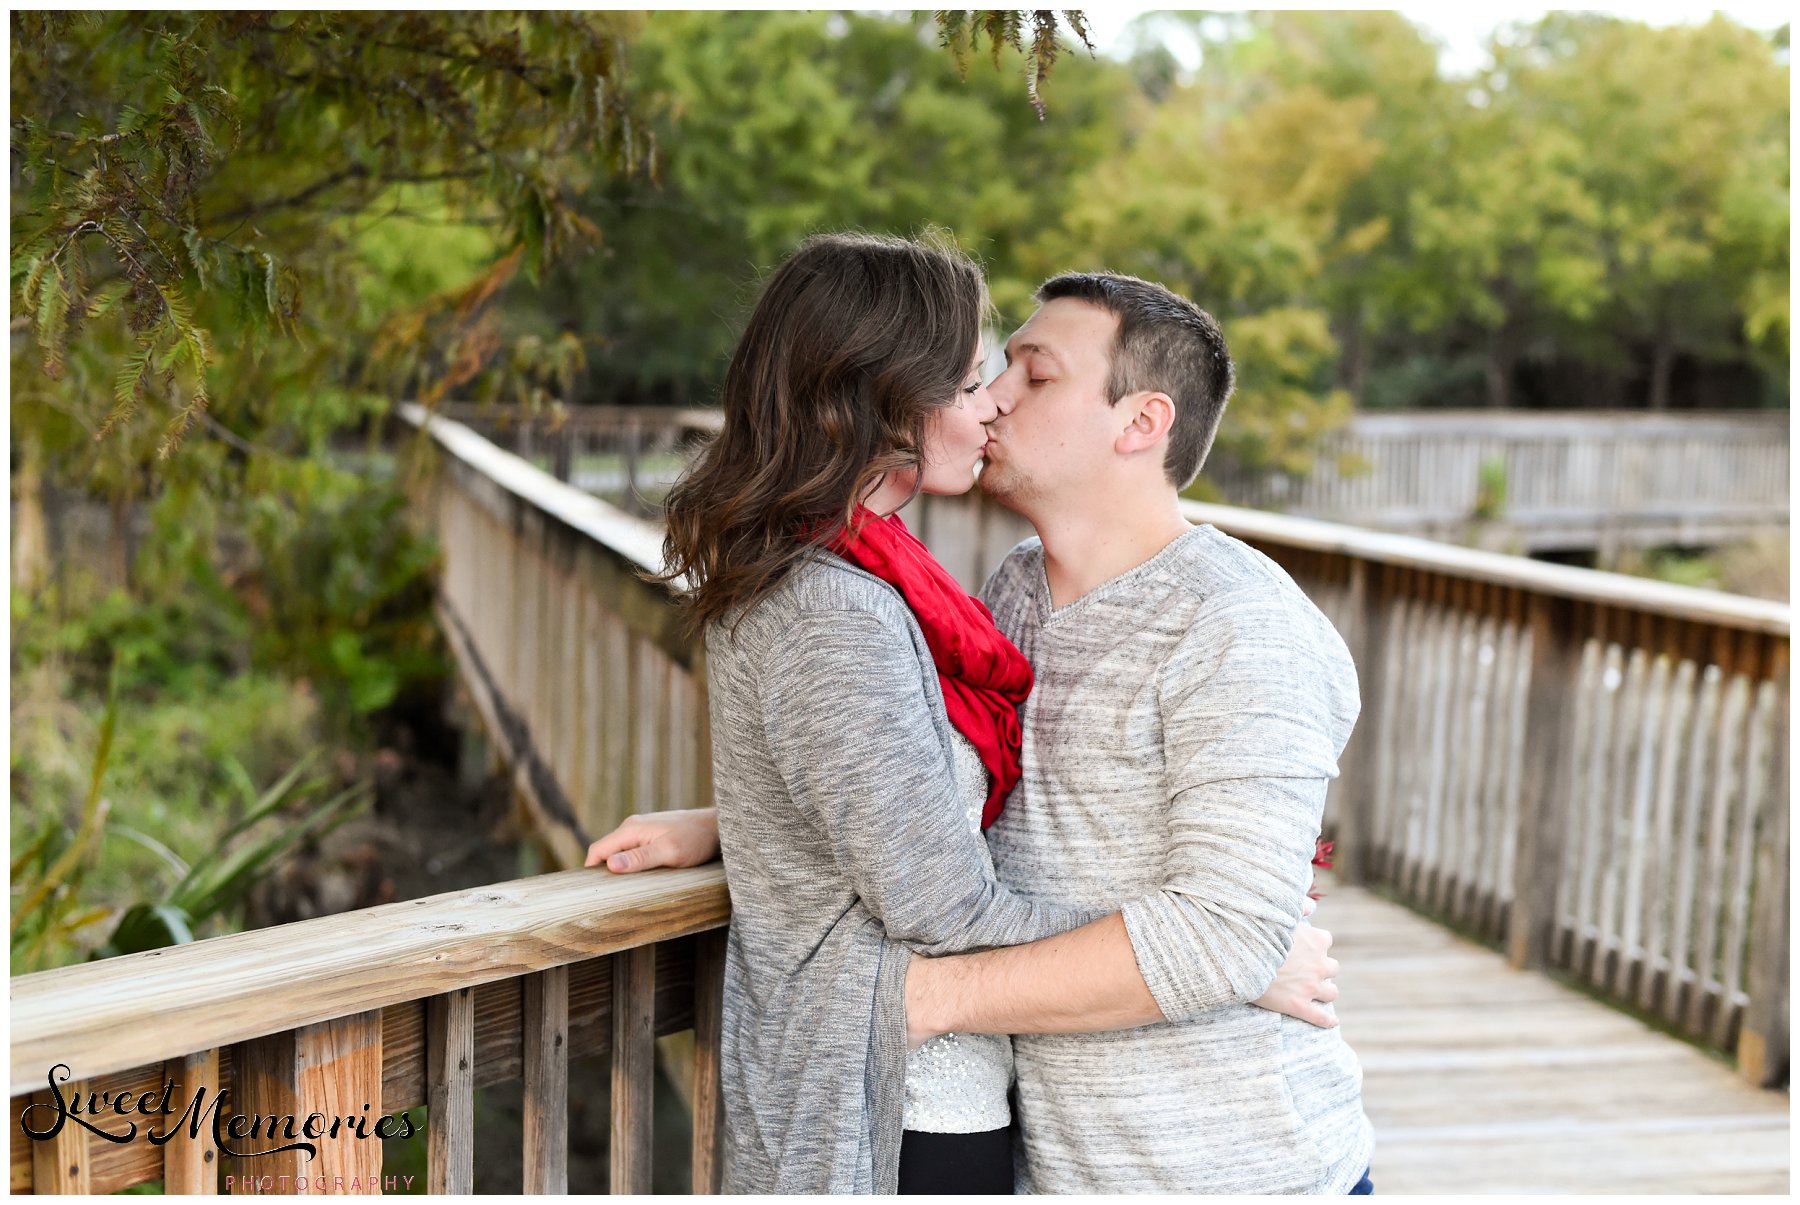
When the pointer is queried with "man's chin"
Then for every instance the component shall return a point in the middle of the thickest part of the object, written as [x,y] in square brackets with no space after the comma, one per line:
[999,486]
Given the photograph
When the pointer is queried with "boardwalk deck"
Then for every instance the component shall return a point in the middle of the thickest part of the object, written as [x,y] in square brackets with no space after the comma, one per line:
[1485,1079]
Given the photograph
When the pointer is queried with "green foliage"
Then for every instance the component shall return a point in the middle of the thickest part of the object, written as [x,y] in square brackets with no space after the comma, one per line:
[347,601]
[867,124]
[217,883]
[1490,492]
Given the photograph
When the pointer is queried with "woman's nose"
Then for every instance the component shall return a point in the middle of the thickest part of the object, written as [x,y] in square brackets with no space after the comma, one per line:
[985,405]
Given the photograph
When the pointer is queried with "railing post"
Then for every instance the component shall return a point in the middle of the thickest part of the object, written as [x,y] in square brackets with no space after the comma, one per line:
[59,1165]
[633,1065]
[191,1165]
[544,1002]
[332,1068]
[1353,860]
[450,1092]
[1762,1047]
[1545,797]
[709,1008]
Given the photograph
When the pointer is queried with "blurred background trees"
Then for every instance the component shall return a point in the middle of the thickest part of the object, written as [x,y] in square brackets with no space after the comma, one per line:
[238,237]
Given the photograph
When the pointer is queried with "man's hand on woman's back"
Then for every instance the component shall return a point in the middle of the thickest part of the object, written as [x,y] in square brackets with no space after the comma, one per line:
[689,837]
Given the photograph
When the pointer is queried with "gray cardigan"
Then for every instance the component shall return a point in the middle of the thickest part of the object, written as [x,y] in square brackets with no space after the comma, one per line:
[842,834]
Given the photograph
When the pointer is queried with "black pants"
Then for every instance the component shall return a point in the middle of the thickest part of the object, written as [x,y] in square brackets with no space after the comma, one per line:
[956,1164]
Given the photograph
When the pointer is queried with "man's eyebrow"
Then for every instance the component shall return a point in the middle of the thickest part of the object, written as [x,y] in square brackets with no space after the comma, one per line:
[1039,348]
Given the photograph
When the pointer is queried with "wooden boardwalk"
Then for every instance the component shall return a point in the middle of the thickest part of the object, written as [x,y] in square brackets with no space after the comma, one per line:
[1484,1079]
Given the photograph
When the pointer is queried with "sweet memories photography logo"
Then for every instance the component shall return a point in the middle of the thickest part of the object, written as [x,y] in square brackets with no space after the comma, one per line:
[113,1117]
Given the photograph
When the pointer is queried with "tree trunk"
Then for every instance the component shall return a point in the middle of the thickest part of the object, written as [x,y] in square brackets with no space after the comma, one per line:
[30,537]
[1500,367]
[119,543]
[1662,365]
[1353,361]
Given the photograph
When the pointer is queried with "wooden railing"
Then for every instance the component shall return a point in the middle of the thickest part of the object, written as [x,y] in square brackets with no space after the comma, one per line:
[628,455]
[1533,480]
[1588,767]
[368,1014]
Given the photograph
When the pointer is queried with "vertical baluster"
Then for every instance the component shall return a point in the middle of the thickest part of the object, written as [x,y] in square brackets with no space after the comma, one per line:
[1620,809]
[1656,983]
[1762,1046]
[450,1091]
[59,1165]
[1437,662]
[1544,797]
[545,1009]
[633,1051]
[332,1067]
[1594,856]
[191,1164]
[1573,817]
[1684,978]
[1741,849]
[1356,800]
[709,1000]
[1517,660]
[1711,995]
[615,722]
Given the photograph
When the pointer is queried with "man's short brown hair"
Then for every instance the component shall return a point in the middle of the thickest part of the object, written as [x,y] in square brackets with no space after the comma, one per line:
[1165,343]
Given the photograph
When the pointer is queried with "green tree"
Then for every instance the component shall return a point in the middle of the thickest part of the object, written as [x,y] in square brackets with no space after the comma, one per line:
[1680,137]
[1232,193]
[866,125]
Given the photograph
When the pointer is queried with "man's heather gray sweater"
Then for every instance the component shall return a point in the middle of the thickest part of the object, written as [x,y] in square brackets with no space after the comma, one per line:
[1185,721]
[843,834]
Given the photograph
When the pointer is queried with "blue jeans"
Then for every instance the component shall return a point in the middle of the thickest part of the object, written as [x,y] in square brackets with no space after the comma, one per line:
[1364,1187]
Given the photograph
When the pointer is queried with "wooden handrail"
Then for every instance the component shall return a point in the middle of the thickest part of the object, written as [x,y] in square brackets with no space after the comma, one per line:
[1563,581]
[105,1016]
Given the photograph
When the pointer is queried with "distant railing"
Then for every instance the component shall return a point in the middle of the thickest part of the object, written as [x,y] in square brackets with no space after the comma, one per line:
[1589,768]
[628,455]
[1539,480]
[367,1014]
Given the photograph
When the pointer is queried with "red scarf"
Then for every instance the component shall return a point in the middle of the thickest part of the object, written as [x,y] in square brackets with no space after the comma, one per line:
[985,677]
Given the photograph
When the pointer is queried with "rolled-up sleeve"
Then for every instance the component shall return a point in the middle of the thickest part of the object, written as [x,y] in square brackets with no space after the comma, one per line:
[1253,706]
[849,724]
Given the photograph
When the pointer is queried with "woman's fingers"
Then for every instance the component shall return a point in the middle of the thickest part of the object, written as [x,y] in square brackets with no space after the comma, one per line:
[614,848]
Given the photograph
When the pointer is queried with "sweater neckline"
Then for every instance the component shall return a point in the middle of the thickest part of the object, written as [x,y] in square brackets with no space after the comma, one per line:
[1048,614]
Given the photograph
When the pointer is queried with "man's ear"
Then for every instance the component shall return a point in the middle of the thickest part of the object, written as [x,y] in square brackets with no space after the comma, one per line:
[1150,415]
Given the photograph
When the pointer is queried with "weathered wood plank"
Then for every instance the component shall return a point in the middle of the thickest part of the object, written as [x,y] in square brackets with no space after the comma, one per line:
[633,1064]
[190,1163]
[1555,665]
[706,1158]
[450,1092]
[546,1055]
[99,1017]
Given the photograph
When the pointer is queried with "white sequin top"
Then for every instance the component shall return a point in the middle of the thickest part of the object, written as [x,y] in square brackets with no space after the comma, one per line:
[957,1082]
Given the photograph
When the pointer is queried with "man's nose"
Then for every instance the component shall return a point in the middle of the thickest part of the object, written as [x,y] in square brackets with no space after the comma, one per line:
[1000,392]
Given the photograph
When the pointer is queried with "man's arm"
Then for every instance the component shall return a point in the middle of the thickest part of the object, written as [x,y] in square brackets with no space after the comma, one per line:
[1253,717]
[1085,981]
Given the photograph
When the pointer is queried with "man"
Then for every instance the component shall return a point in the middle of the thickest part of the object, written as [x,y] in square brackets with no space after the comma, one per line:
[1187,713]
[1189,706]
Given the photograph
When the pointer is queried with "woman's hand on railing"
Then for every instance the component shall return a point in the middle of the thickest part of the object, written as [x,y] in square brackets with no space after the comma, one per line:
[1305,982]
[688,837]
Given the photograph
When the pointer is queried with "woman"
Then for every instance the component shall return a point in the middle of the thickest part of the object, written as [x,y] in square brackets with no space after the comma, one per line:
[864,718]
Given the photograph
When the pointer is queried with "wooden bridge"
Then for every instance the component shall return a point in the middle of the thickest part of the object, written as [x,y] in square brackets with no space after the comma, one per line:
[1582,778]
[1514,481]
[1537,481]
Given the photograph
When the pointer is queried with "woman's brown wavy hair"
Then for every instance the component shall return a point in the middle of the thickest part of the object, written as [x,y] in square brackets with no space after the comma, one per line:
[855,340]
